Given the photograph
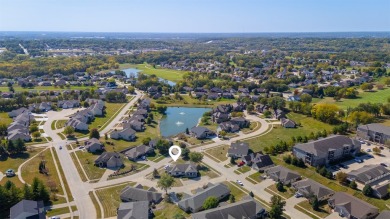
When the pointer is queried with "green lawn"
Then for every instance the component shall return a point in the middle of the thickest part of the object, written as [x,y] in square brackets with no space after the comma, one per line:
[234,190]
[188,101]
[168,74]
[279,133]
[58,211]
[5,119]
[78,167]
[166,210]
[46,88]
[60,124]
[286,193]
[322,212]
[66,185]
[30,171]
[13,162]
[96,204]
[244,169]
[218,152]
[254,178]
[254,126]
[206,170]
[376,96]
[87,162]
[109,198]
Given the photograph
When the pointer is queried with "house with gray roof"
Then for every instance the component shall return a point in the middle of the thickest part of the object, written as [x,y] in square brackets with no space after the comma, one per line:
[194,203]
[134,153]
[349,206]
[93,145]
[258,161]
[238,149]
[327,150]
[125,134]
[67,104]
[374,132]
[200,132]
[28,209]
[134,210]
[282,174]
[109,160]
[135,194]
[287,123]
[308,187]
[384,215]
[228,127]
[189,170]
[248,209]
[240,121]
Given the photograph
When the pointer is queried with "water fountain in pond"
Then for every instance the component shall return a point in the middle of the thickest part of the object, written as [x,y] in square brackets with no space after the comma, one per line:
[178,123]
[182,113]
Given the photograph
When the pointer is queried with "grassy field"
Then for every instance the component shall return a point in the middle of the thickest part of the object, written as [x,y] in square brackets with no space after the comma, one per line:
[218,152]
[310,173]
[13,162]
[5,119]
[254,126]
[376,96]
[234,190]
[64,180]
[244,169]
[95,203]
[109,198]
[279,133]
[46,88]
[30,170]
[78,167]
[206,170]
[57,211]
[168,74]
[188,101]
[167,210]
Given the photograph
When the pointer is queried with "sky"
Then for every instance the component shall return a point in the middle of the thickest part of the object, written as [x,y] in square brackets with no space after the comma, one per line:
[195,16]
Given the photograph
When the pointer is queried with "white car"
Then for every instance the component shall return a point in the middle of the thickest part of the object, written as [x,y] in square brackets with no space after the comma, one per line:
[368,150]
[239,183]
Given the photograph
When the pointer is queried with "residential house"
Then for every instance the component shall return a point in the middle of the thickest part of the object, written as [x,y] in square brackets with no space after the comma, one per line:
[134,153]
[28,209]
[374,132]
[282,174]
[109,160]
[134,124]
[200,132]
[189,170]
[258,161]
[288,123]
[219,117]
[238,149]
[278,114]
[136,194]
[77,124]
[326,150]
[228,127]
[67,104]
[261,108]
[247,208]
[18,134]
[349,206]
[127,134]
[239,107]
[240,121]
[308,187]
[384,215]
[144,104]
[194,203]
[92,145]
[134,210]
[17,112]
[375,175]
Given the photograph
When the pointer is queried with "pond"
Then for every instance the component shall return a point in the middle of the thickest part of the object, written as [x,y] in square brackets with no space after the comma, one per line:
[177,119]
[133,72]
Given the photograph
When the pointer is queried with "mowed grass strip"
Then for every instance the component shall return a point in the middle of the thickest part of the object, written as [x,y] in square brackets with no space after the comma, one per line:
[218,152]
[66,185]
[87,162]
[96,204]
[278,133]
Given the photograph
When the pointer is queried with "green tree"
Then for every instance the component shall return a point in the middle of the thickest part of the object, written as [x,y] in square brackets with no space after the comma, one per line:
[341,177]
[146,141]
[161,109]
[11,147]
[277,206]
[165,182]
[325,112]
[94,134]
[376,150]
[276,102]
[178,216]
[306,98]
[185,153]
[366,86]
[20,146]
[36,134]
[162,146]
[353,184]
[69,130]
[315,204]
[279,186]
[196,157]
[34,128]
[367,190]
[250,108]
[210,202]
[232,198]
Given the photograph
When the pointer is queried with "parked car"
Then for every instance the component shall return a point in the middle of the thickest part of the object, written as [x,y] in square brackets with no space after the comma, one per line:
[81,147]
[10,173]
[368,150]
[239,183]
[60,147]
[358,160]
[362,142]
[298,195]
[368,144]
[381,147]
[384,164]
[241,164]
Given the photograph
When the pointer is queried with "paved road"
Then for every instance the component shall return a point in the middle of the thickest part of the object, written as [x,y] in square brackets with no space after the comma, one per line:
[79,189]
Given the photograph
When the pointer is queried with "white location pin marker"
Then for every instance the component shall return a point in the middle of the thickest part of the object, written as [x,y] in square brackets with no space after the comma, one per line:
[177,155]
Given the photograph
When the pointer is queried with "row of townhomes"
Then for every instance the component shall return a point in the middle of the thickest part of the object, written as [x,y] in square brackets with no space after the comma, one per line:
[80,120]
[19,128]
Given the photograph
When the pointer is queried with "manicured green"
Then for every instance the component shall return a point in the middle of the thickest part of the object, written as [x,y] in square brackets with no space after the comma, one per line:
[286,193]
[279,133]
[5,119]
[87,162]
[323,211]
[168,74]
[109,198]
[58,211]
[218,152]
